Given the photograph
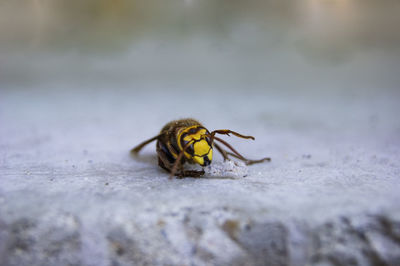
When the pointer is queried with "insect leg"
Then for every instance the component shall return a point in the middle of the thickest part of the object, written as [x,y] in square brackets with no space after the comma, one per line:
[191,173]
[171,150]
[144,143]
[237,155]
[250,162]
[178,163]
[227,132]
[165,163]
[185,173]
[222,151]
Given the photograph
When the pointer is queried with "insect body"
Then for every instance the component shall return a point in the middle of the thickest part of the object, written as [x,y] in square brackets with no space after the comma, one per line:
[189,141]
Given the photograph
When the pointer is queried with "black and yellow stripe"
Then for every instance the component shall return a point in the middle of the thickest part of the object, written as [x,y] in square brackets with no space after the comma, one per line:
[199,148]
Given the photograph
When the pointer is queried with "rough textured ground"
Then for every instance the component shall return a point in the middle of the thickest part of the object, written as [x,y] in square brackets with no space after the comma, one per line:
[70,194]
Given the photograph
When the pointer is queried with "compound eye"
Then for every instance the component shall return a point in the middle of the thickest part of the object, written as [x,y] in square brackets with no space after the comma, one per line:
[190,149]
[185,142]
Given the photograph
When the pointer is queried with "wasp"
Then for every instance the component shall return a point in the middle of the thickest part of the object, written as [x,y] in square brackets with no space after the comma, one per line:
[187,140]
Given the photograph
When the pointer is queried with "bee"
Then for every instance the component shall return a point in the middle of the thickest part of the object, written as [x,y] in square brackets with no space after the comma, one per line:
[187,140]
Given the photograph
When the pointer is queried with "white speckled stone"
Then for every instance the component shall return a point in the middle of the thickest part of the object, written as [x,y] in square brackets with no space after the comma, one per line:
[70,194]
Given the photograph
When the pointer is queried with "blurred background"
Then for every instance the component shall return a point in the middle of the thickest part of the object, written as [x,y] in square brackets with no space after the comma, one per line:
[316,82]
[317,46]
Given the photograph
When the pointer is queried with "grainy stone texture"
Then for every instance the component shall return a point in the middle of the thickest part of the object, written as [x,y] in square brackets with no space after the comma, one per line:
[70,194]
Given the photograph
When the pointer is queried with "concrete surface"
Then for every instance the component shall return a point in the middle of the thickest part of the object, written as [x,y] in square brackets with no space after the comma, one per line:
[70,194]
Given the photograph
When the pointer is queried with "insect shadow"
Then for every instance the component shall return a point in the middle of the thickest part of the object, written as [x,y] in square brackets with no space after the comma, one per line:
[145,158]
[152,158]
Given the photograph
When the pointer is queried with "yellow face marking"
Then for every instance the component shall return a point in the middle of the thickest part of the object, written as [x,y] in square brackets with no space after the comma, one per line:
[187,138]
[195,136]
[200,159]
[210,154]
[201,147]
[201,151]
